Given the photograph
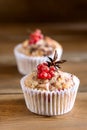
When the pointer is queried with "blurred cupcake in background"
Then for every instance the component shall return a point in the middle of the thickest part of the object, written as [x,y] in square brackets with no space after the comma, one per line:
[34,50]
[48,90]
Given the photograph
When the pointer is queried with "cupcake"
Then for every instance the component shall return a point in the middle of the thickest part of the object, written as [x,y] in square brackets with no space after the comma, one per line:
[48,90]
[33,51]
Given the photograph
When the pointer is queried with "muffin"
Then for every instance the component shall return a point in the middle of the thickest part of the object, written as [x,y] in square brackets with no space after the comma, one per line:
[48,90]
[34,51]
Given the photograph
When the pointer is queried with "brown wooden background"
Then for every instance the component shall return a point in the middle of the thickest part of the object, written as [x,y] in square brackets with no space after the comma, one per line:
[43,10]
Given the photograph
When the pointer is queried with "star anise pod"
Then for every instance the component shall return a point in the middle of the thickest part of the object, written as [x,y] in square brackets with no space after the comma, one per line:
[55,62]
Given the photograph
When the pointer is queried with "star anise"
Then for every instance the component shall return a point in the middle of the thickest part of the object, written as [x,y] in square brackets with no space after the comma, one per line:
[55,62]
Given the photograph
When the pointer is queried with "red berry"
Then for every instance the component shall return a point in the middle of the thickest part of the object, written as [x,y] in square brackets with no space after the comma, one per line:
[52,68]
[42,75]
[39,66]
[45,68]
[49,76]
[35,37]
[51,72]
[44,72]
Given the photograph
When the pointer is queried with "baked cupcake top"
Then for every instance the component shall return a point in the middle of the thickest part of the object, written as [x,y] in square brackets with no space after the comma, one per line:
[39,45]
[49,77]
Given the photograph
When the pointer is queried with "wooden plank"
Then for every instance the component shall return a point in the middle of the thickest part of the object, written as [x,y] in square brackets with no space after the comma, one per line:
[15,115]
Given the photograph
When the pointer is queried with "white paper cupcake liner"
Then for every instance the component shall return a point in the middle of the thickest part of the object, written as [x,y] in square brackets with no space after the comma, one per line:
[26,64]
[50,103]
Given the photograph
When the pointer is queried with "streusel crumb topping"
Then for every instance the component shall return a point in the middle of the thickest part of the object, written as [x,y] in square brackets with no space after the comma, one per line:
[39,45]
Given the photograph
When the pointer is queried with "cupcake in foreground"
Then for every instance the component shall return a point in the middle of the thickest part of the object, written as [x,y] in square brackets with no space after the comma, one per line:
[48,90]
[33,51]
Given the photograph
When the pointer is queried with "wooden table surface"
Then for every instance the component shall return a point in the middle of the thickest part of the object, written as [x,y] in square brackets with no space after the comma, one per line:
[13,112]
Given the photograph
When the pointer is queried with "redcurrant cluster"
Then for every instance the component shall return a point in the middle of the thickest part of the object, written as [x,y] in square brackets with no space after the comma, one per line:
[35,37]
[45,72]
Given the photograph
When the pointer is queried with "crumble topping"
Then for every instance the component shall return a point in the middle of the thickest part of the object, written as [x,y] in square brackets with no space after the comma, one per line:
[60,81]
[39,45]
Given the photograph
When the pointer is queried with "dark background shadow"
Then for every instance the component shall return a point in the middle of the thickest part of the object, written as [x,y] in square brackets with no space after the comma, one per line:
[43,11]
